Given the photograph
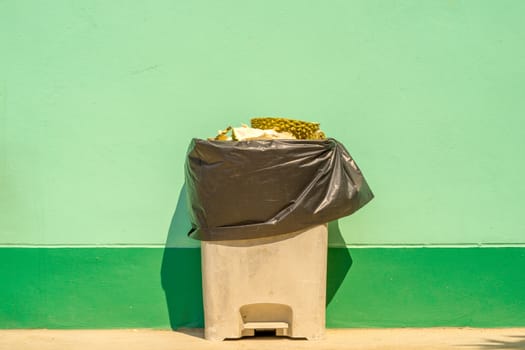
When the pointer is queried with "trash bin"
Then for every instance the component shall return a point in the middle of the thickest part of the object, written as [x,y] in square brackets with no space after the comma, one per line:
[260,209]
[275,283]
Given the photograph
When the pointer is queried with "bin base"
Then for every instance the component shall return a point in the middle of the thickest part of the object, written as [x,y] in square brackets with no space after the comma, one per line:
[272,283]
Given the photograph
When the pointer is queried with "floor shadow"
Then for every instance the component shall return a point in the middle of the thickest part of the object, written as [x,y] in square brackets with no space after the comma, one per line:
[517,343]
[339,261]
[181,271]
[192,332]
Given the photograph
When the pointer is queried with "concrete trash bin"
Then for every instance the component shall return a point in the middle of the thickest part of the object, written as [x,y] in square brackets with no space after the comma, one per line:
[270,283]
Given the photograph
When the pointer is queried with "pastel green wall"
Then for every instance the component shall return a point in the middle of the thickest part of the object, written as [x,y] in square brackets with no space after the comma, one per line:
[98,101]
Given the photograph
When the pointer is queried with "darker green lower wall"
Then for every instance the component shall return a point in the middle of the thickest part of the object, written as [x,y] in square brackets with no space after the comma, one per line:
[159,288]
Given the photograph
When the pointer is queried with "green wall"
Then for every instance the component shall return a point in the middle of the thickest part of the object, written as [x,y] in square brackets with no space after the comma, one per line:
[99,100]
[157,288]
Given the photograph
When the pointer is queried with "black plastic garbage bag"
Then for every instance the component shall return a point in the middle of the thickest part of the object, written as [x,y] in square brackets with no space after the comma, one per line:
[253,189]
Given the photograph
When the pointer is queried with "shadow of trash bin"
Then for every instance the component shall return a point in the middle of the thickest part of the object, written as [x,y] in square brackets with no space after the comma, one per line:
[181,271]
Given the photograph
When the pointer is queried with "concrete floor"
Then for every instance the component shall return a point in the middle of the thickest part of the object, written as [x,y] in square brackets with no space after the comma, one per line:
[192,339]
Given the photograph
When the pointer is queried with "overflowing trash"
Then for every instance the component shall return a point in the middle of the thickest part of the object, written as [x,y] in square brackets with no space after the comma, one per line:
[271,128]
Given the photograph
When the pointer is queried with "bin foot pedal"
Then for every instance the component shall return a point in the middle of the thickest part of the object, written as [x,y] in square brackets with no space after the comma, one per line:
[249,328]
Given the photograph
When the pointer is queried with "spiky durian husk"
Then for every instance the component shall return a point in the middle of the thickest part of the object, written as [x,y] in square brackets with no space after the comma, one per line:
[300,129]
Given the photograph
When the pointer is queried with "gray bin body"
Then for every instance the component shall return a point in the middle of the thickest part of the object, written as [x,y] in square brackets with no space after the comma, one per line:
[272,283]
